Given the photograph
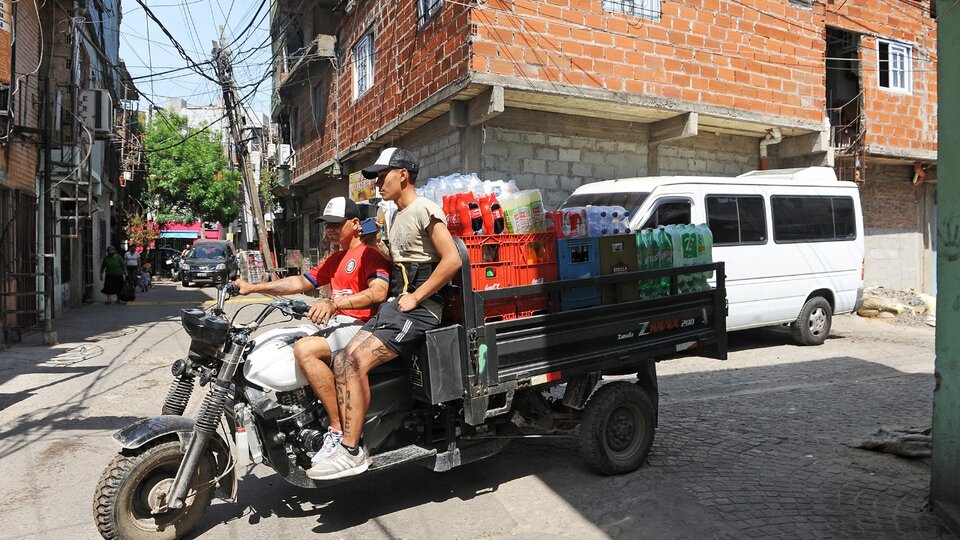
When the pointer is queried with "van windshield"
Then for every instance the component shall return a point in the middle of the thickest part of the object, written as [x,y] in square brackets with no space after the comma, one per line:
[630,201]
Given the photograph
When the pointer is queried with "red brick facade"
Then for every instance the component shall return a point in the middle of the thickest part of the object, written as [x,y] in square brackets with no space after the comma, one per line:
[411,64]
[761,56]
[893,120]
[22,155]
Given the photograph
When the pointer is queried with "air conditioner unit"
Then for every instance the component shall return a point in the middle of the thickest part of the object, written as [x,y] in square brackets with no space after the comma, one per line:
[95,111]
[284,154]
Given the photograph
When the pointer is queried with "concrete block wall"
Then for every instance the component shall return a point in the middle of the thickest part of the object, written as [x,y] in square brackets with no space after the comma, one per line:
[439,156]
[558,164]
[709,155]
[893,258]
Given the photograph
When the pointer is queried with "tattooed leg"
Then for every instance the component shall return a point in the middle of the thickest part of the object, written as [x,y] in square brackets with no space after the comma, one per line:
[353,388]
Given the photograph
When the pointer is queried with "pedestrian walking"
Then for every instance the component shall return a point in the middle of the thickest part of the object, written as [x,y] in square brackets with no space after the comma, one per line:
[112,271]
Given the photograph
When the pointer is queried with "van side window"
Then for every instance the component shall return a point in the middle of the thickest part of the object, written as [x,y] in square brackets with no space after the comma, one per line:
[669,213]
[811,219]
[736,219]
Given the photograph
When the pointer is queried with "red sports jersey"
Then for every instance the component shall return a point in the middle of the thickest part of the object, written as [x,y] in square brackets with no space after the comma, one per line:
[348,272]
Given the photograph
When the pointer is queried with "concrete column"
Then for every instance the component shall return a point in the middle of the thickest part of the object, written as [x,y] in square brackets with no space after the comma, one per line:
[945,466]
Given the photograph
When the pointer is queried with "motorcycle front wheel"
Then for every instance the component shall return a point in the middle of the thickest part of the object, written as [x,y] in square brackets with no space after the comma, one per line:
[133,485]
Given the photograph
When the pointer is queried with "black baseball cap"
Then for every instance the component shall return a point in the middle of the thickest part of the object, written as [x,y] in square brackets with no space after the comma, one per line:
[393,158]
[339,209]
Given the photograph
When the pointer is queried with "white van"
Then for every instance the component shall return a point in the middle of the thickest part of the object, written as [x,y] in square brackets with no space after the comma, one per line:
[792,239]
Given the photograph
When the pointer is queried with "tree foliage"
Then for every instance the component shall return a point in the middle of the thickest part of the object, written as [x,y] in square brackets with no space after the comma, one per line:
[188,178]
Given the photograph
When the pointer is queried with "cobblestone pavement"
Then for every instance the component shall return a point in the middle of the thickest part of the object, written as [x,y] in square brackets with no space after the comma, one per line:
[757,446]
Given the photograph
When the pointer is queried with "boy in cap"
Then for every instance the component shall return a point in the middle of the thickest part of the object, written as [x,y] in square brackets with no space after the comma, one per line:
[359,281]
[425,258]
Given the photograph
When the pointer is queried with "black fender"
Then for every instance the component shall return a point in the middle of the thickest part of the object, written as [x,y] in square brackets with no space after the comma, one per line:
[152,428]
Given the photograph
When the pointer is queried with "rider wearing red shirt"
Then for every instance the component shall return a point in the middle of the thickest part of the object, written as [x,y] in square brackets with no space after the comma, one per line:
[359,278]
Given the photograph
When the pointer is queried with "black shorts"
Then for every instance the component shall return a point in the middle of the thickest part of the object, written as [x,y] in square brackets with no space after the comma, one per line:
[401,332]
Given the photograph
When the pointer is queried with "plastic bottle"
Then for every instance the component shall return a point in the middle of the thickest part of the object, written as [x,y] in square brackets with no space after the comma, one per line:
[465,211]
[476,217]
[534,199]
[665,243]
[516,213]
[704,248]
[485,202]
[649,286]
[243,447]
[496,214]
[595,224]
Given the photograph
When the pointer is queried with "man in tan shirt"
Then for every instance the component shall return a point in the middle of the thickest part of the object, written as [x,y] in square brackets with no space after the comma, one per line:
[425,258]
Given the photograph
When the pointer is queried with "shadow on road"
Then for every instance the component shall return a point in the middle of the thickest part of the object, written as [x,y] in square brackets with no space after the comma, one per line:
[760,451]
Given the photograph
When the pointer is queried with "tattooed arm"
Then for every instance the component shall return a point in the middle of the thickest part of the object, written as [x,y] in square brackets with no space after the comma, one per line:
[287,285]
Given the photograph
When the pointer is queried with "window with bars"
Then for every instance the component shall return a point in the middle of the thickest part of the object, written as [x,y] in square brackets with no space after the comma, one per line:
[427,9]
[895,70]
[363,65]
[647,9]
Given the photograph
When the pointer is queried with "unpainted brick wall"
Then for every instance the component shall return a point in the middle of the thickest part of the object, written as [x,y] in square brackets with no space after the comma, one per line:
[22,156]
[889,199]
[411,63]
[765,57]
[894,120]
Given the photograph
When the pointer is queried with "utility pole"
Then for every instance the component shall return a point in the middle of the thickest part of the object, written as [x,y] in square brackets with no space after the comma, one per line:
[225,76]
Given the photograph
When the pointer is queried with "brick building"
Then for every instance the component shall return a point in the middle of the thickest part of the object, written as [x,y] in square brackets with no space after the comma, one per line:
[558,93]
[60,93]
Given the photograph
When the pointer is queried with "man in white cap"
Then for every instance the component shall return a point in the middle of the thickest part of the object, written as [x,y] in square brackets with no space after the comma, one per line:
[359,277]
[425,258]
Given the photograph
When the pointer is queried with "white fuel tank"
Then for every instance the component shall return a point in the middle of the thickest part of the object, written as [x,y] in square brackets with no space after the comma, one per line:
[271,364]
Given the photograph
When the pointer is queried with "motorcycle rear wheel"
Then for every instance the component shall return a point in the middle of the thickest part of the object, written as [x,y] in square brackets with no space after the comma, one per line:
[130,488]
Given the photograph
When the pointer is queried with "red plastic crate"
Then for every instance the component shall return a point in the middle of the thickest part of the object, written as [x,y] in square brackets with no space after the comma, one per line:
[534,256]
[510,260]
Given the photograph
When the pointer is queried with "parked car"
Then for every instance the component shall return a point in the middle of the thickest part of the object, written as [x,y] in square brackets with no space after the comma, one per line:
[792,239]
[214,261]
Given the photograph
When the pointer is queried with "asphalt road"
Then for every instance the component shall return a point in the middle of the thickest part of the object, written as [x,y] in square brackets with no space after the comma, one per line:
[758,446]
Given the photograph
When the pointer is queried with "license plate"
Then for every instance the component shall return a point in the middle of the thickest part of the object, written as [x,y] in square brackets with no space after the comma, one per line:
[202,274]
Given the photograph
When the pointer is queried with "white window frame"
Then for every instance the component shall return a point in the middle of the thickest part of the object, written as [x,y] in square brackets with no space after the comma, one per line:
[645,9]
[426,9]
[899,66]
[363,57]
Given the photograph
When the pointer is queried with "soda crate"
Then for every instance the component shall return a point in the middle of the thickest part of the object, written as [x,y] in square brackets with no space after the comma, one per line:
[579,258]
[618,255]
[534,257]
[490,263]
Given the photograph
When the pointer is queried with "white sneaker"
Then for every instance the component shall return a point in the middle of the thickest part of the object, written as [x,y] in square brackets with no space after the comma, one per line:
[331,440]
[340,464]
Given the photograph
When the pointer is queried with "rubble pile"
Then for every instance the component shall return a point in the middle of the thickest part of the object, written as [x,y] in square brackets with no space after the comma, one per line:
[902,307]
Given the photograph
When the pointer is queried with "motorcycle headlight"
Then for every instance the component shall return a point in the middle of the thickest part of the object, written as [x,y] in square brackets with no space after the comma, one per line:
[221,266]
[184,266]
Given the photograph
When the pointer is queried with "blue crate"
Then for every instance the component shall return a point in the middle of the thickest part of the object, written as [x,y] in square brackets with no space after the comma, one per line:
[578,257]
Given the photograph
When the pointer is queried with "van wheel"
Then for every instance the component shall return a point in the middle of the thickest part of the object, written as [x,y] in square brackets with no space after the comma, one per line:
[813,324]
[617,428]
